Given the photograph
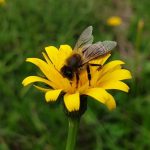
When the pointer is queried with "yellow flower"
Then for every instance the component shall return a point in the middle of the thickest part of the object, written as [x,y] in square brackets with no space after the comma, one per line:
[109,77]
[114,21]
[2,2]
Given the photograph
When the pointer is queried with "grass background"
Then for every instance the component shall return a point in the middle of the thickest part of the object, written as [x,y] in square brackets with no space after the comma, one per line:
[27,122]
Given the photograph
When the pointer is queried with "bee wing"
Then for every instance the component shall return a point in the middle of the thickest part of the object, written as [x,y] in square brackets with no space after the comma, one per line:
[85,39]
[97,49]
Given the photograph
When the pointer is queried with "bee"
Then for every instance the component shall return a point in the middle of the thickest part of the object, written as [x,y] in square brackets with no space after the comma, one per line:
[83,52]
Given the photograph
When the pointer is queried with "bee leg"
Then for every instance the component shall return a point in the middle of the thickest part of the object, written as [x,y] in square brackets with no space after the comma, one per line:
[89,74]
[77,79]
[99,66]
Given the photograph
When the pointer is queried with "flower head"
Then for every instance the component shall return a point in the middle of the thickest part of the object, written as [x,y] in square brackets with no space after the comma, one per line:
[114,21]
[110,76]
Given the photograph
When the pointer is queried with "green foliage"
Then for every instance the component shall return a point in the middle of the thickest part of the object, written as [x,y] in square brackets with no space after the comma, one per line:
[27,122]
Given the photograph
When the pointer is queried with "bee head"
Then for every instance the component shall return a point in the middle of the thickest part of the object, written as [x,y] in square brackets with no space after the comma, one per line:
[67,72]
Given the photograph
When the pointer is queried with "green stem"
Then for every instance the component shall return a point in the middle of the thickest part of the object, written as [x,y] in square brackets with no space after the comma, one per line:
[72,133]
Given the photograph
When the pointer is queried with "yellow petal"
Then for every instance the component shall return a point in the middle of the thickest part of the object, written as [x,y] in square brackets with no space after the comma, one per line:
[58,57]
[41,88]
[104,58]
[119,74]
[102,96]
[111,103]
[50,72]
[64,52]
[111,66]
[72,101]
[101,60]
[118,85]
[31,79]
[52,95]
[64,81]
[52,53]
[44,67]
[47,59]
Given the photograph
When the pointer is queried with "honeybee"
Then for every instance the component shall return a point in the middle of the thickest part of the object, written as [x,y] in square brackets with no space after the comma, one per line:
[83,52]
